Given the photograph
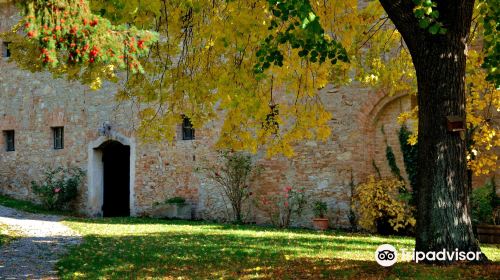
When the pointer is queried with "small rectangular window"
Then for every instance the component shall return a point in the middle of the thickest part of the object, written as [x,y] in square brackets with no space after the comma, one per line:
[9,140]
[58,133]
[187,129]
[5,49]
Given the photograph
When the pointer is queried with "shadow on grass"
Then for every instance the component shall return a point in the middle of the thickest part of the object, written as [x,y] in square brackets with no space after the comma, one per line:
[202,255]
[195,255]
[332,268]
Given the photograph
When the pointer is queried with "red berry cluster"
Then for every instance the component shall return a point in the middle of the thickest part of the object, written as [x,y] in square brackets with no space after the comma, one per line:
[72,30]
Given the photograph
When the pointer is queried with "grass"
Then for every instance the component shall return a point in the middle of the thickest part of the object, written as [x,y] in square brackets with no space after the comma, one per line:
[130,248]
[7,234]
[4,235]
[30,207]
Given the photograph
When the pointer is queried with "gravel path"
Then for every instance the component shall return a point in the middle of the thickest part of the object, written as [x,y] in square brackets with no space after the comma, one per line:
[33,255]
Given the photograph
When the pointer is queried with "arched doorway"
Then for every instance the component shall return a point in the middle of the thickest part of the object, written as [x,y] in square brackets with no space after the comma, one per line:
[121,158]
[116,179]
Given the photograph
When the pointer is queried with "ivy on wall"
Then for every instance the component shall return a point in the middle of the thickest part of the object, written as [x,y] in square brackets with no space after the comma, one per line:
[409,152]
[409,158]
[391,159]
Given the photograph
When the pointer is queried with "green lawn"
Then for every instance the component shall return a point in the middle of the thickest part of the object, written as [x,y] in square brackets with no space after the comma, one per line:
[4,235]
[29,206]
[129,248]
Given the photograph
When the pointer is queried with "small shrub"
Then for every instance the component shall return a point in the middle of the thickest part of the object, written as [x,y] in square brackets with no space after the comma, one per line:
[320,209]
[281,207]
[379,202]
[176,200]
[59,188]
[483,204]
[232,174]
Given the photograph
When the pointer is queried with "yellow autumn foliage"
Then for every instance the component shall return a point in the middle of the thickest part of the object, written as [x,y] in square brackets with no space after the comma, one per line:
[202,67]
[379,198]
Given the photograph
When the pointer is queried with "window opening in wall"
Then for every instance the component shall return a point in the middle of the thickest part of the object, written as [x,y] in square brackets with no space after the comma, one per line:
[187,129]
[58,133]
[9,140]
[5,49]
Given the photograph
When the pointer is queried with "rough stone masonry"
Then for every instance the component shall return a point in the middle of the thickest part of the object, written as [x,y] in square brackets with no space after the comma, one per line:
[32,104]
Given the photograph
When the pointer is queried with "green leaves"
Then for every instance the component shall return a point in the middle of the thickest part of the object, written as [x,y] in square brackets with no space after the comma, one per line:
[81,38]
[59,188]
[427,14]
[310,18]
[424,23]
[297,25]
[434,29]
[490,13]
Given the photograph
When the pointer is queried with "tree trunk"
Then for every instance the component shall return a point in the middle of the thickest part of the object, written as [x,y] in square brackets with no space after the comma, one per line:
[443,193]
[443,202]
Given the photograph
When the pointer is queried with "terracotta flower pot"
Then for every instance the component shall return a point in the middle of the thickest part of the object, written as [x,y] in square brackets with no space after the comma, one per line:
[320,223]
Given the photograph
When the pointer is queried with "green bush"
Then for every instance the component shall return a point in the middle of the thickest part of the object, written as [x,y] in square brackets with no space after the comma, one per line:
[483,203]
[59,188]
[176,200]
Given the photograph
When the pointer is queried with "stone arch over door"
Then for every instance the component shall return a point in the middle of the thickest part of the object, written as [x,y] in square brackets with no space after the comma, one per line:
[95,178]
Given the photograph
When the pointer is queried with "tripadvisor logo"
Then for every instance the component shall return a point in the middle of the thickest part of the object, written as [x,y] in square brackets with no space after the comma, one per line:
[386,255]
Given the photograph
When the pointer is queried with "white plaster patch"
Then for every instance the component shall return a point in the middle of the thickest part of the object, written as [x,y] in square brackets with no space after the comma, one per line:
[344,156]
[322,184]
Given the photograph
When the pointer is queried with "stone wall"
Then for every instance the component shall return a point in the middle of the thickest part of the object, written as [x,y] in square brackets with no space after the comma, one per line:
[32,103]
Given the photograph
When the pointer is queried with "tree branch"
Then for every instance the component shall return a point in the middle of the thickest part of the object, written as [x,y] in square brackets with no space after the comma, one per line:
[401,14]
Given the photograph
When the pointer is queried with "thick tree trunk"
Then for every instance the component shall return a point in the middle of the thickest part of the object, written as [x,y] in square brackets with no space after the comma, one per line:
[443,202]
[443,193]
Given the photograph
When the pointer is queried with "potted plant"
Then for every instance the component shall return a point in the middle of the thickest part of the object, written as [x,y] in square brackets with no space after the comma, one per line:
[319,221]
[172,208]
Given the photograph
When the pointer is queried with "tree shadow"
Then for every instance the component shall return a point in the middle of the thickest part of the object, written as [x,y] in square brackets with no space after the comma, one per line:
[334,268]
[33,257]
[201,255]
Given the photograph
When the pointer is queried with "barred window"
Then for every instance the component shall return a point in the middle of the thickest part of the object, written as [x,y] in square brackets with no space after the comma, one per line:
[9,140]
[187,129]
[58,133]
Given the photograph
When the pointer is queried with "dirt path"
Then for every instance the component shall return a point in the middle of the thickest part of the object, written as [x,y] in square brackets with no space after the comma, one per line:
[33,255]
